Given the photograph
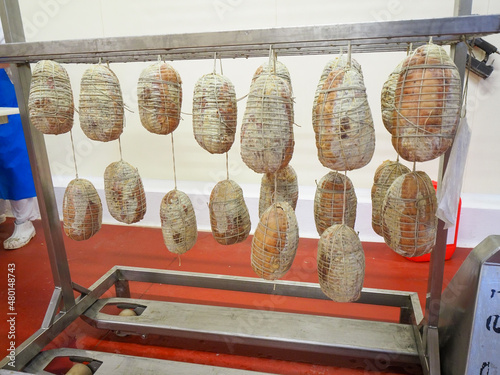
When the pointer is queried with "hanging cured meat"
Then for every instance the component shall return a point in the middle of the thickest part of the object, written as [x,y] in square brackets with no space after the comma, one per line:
[275,242]
[229,217]
[426,104]
[345,137]
[50,102]
[214,113]
[409,219]
[101,104]
[159,96]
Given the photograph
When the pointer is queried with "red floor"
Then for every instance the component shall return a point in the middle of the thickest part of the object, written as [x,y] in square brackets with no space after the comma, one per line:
[143,247]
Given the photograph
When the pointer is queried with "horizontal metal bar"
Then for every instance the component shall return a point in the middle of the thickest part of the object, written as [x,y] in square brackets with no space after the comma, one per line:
[271,330]
[128,365]
[323,39]
[255,285]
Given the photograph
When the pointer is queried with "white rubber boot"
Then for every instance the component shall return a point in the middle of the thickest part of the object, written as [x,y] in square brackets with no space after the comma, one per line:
[22,235]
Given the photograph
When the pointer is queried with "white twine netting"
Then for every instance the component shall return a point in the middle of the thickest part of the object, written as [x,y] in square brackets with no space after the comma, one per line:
[345,136]
[50,103]
[281,186]
[101,104]
[124,191]
[178,222]
[409,221]
[341,263]
[275,242]
[385,175]
[339,62]
[159,96]
[229,217]
[275,67]
[427,104]
[335,202]
[267,130]
[82,210]
[214,113]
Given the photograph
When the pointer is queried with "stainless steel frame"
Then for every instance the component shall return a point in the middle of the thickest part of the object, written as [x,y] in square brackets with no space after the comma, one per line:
[420,344]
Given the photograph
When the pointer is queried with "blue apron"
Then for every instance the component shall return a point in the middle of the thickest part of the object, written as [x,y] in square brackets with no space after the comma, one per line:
[16,180]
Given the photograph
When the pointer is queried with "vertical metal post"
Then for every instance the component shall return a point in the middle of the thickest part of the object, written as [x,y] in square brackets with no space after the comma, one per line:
[436,266]
[21,74]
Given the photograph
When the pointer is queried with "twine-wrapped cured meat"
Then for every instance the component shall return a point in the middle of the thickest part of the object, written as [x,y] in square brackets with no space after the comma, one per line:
[427,104]
[335,202]
[229,217]
[82,210]
[276,68]
[124,191]
[286,189]
[178,222]
[275,242]
[339,62]
[387,97]
[341,263]
[159,96]
[345,137]
[101,104]
[385,175]
[267,131]
[409,219]
[50,103]
[214,113]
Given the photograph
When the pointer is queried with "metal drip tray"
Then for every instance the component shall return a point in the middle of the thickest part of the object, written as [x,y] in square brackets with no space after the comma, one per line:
[261,328]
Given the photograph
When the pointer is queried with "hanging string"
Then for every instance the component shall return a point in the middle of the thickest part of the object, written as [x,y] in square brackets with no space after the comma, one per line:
[74,153]
[215,63]
[227,165]
[414,166]
[349,51]
[463,104]
[173,160]
[120,147]
[220,63]
[179,257]
[344,198]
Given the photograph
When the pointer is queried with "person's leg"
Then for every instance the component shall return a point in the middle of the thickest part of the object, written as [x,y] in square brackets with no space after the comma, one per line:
[24,211]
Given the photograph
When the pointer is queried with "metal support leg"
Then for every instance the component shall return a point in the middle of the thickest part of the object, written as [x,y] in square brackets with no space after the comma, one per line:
[21,73]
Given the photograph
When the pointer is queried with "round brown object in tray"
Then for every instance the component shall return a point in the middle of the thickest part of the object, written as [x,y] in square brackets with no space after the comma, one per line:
[229,217]
[275,242]
[385,175]
[50,102]
[409,219]
[387,97]
[339,62]
[79,369]
[286,189]
[101,104]
[178,222]
[214,113]
[82,210]
[345,136]
[159,96]
[426,104]
[341,263]
[267,130]
[334,190]
[124,191]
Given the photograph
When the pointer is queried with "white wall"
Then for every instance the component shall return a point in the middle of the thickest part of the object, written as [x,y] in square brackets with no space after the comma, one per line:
[197,170]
